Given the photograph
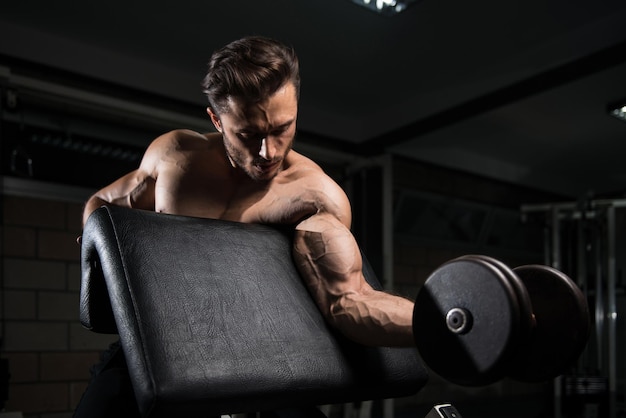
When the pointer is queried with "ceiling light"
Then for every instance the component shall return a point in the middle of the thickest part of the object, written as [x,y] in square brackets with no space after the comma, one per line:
[386,7]
[618,111]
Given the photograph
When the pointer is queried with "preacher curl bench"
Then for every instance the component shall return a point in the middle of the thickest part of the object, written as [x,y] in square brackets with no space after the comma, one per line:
[213,319]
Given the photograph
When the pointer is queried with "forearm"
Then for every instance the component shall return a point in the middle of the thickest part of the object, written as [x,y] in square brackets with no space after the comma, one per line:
[92,204]
[374,318]
[96,201]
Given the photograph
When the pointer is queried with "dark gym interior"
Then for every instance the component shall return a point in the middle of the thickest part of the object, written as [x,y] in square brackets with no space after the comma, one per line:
[455,128]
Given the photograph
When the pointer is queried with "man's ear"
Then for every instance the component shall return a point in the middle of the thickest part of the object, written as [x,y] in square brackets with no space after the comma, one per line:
[215,119]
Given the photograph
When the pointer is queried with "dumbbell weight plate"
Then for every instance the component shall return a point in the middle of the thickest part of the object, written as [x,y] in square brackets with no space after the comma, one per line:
[562,325]
[466,321]
[526,315]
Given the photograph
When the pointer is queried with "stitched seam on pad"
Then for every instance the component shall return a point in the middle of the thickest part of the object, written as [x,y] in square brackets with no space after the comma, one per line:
[135,311]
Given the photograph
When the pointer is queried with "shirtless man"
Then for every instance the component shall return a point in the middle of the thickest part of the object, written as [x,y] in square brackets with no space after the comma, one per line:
[247,172]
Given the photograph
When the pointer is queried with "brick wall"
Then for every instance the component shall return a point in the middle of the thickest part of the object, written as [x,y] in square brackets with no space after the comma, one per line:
[49,352]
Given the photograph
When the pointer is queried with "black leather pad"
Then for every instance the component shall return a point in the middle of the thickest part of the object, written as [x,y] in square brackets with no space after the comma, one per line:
[214,318]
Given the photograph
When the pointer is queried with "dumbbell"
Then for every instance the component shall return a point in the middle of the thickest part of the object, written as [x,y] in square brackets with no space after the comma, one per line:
[477,321]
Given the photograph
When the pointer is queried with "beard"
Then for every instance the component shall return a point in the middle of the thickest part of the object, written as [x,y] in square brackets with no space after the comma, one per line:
[255,167]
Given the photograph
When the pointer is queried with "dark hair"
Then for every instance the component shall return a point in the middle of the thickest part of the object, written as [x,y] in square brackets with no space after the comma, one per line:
[252,68]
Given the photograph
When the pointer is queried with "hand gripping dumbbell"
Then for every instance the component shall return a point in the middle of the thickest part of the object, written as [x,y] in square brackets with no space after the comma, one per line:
[476,321]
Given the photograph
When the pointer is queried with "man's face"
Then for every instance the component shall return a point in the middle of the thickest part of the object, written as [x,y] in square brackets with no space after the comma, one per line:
[258,136]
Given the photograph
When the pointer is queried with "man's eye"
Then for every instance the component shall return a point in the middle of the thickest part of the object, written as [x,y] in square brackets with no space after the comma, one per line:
[246,136]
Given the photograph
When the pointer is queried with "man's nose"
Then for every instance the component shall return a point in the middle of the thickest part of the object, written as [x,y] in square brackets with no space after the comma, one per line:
[268,150]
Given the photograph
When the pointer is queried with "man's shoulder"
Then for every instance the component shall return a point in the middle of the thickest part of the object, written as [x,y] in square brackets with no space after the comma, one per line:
[178,145]
[308,175]
[180,141]
[303,164]
[183,138]
[311,184]
[301,168]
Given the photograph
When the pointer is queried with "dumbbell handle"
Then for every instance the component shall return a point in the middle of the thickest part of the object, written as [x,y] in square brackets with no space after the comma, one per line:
[443,411]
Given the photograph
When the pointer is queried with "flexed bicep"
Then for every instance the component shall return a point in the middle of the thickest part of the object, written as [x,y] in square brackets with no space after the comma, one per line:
[328,258]
[330,263]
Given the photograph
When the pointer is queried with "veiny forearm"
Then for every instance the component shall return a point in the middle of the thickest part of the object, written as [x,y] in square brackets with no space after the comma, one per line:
[96,202]
[375,318]
[330,262]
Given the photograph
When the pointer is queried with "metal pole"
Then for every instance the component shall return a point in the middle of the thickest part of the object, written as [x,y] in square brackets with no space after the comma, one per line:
[611,310]
[599,299]
[388,257]
[387,221]
[556,239]
[556,263]
[581,271]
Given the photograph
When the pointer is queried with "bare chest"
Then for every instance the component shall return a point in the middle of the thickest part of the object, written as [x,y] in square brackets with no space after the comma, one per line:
[217,197]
